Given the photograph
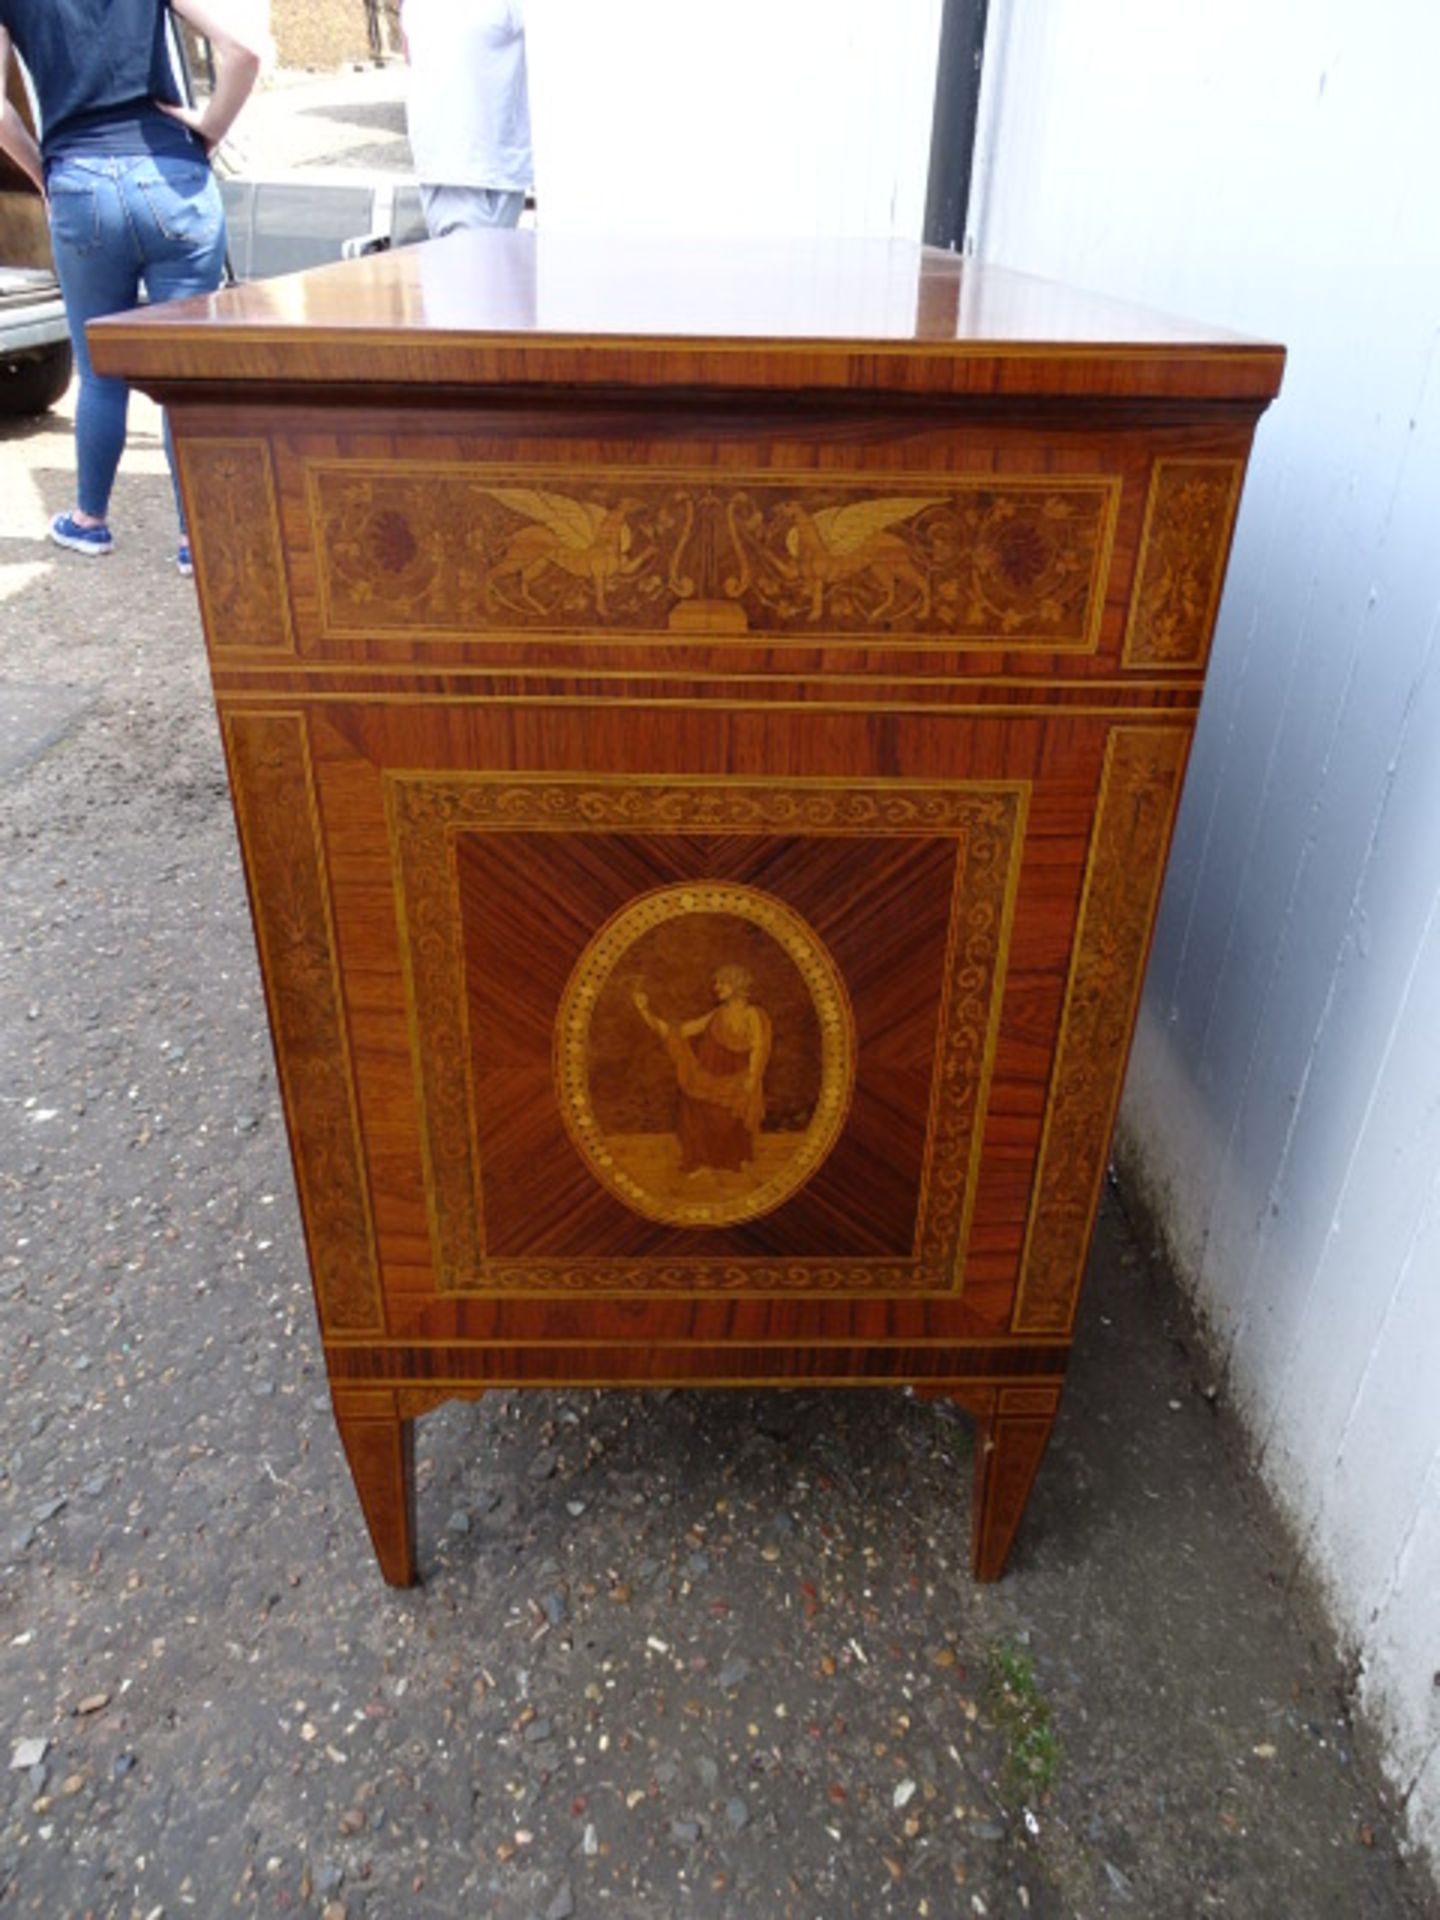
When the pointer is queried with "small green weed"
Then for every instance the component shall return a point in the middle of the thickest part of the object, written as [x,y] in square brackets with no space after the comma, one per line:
[1022,1714]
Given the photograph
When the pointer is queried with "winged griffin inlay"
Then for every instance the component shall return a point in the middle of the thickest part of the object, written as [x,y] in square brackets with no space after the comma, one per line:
[835,547]
[582,538]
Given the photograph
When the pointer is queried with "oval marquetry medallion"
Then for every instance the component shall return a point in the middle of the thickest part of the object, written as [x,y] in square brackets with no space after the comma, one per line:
[705,1054]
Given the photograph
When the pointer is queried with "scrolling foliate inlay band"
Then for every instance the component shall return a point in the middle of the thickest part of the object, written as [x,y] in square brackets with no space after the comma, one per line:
[986,881]
[235,527]
[430,815]
[938,558]
[275,804]
[1139,790]
[1188,517]
[496,802]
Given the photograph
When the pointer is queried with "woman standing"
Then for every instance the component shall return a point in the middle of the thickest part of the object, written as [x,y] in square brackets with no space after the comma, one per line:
[720,1060]
[125,170]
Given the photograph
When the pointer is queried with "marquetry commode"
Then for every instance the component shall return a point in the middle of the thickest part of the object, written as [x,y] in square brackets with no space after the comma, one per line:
[705,728]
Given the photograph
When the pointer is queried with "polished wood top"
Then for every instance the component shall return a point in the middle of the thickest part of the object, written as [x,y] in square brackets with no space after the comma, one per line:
[527,308]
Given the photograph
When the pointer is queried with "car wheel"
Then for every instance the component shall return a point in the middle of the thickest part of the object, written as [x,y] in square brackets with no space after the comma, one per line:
[32,382]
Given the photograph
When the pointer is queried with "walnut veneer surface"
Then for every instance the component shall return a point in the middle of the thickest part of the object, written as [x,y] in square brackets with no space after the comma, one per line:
[705,727]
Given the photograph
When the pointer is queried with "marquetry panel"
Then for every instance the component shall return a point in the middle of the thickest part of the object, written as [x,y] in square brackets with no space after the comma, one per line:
[229,491]
[275,806]
[1189,513]
[941,558]
[563,939]
[1139,790]
[727,918]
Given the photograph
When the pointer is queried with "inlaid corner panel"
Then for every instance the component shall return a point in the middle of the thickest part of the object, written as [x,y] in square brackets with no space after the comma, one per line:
[1139,792]
[230,494]
[448,549]
[272,779]
[1189,516]
[702,1036]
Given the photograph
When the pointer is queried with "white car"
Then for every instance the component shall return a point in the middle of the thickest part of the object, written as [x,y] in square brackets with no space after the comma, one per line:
[35,352]
[35,355]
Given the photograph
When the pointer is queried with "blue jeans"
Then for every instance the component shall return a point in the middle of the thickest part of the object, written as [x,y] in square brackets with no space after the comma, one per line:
[119,222]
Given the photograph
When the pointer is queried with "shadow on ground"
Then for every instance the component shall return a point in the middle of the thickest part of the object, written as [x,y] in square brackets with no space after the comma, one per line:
[386,116]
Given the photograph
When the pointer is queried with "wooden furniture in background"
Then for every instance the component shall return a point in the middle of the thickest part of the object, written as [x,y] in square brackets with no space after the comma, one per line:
[705,728]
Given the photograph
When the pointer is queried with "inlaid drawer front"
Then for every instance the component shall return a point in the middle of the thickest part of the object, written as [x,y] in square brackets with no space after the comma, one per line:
[702,1037]
[940,559]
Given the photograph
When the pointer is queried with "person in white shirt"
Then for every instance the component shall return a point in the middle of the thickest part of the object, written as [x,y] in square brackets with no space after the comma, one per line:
[468,109]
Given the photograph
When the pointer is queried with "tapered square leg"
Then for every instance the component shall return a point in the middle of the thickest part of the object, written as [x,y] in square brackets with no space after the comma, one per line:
[380,1447]
[1012,1430]
[1009,1447]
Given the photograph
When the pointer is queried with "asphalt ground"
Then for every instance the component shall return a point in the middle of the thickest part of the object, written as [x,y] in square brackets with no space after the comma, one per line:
[676,1654]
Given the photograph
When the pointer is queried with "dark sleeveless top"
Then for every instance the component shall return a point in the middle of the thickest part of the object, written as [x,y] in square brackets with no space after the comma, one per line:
[98,67]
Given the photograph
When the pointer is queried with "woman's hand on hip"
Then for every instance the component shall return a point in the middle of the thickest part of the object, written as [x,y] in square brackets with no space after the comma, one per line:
[191,117]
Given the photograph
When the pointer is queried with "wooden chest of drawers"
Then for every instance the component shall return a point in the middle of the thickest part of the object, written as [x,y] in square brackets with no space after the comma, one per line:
[705,730]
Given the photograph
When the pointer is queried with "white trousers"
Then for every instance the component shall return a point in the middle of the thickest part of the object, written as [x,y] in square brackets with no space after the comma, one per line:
[448,208]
